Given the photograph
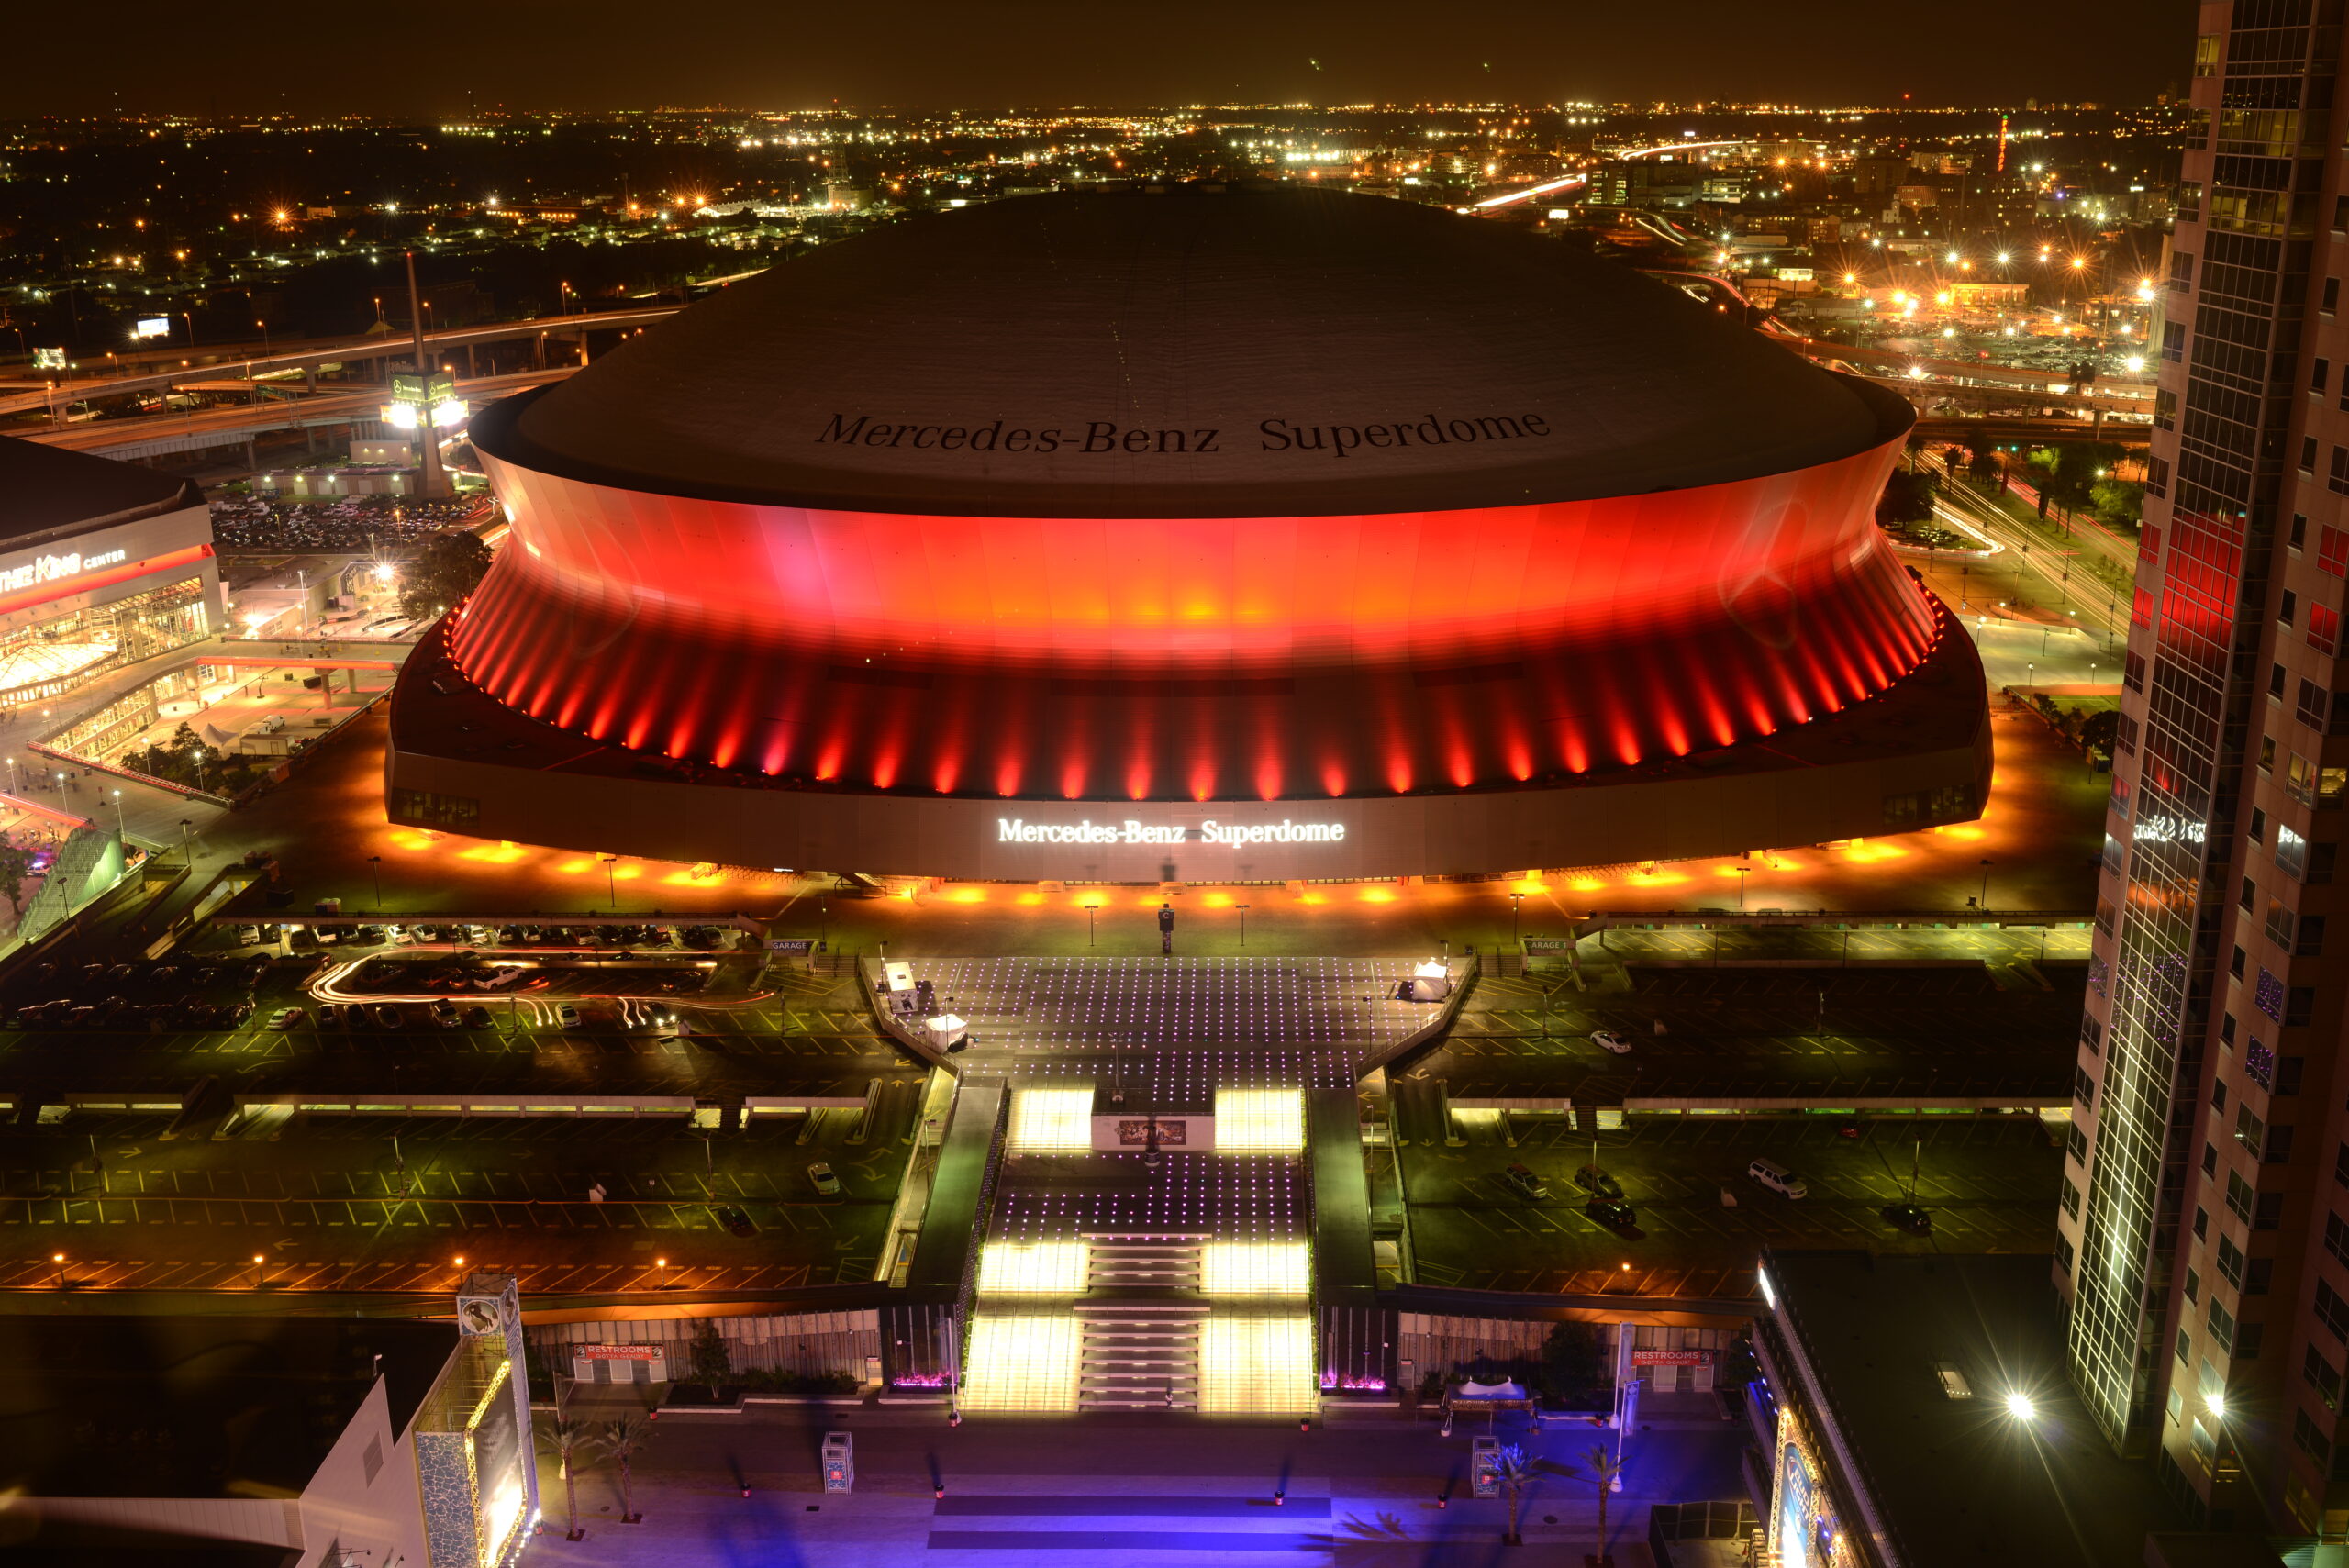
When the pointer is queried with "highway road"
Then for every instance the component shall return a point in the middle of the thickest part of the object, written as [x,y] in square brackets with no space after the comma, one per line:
[236,423]
[2053,580]
[310,355]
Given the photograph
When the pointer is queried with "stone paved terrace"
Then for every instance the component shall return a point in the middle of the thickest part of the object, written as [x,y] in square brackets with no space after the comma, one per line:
[1177,1028]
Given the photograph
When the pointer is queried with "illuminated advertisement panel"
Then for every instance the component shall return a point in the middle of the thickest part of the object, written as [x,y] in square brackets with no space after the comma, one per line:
[1804,1529]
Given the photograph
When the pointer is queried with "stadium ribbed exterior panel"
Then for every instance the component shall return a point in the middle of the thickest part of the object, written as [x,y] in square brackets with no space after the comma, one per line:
[1202,659]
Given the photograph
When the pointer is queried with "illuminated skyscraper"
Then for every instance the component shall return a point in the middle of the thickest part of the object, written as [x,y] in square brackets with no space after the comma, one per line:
[2205,1265]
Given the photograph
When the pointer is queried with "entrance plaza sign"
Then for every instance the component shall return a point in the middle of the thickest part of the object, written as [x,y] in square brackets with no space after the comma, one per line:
[1015,831]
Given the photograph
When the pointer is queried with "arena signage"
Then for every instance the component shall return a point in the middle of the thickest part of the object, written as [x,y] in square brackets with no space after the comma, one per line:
[1102,436]
[50,568]
[1015,831]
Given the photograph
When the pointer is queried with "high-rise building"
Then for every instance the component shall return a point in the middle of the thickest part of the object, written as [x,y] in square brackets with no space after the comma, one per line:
[2205,1229]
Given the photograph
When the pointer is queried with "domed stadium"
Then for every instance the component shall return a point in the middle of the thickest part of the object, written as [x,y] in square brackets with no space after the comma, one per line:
[1196,532]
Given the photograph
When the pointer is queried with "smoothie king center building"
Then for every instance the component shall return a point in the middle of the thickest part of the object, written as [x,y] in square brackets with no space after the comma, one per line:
[1192,533]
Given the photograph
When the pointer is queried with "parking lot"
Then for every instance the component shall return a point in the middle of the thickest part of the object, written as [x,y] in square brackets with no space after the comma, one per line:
[1988,1182]
[390,1203]
[1828,1034]
[796,1033]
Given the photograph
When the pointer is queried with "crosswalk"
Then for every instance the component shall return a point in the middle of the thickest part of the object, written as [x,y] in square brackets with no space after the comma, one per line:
[1193,1521]
[1201,1524]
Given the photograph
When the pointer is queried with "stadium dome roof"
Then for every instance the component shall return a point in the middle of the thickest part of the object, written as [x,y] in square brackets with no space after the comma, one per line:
[1192,351]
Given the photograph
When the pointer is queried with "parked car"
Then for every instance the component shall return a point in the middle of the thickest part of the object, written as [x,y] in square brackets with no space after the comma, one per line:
[569,1017]
[1595,1179]
[287,1018]
[1910,1218]
[826,1184]
[736,1221]
[387,1016]
[330,1014]
[1523,1182]
[477,1018]
[1778,1179]
[1607,1040]
[1614,1214]
[444,1014]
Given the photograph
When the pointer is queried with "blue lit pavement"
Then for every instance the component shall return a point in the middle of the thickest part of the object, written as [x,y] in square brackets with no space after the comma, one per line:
[1360,1492]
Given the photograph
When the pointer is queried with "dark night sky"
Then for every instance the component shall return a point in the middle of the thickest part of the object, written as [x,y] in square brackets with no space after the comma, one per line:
[320,56]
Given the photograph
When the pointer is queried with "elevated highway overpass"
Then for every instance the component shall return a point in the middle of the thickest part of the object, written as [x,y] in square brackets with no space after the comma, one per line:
[163,435]
[305,358]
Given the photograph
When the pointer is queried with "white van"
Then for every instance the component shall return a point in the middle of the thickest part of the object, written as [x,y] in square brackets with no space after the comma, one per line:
[1778,1179]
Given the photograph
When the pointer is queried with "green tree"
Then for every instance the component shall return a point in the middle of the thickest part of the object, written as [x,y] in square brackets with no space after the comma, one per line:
[2069,472]
[1908,498]
[448,567]
[621,1440]
[2099,731]
[2117,501]
[15,865]
[711,1362]
[572,1442]
[1574,1361]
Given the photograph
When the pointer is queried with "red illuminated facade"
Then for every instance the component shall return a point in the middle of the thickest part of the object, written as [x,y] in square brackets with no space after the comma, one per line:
[1192,659]
[1219,509]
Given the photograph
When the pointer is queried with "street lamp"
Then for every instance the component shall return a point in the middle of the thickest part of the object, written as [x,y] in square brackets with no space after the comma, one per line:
[1985,900]
[2022,1407]
[121,831]
[187,840]
[375,865]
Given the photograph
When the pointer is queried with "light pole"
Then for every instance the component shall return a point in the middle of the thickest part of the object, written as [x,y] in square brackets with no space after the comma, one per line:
[187,840]
[15,785]
[1985,900]
[1089,908]
[120,830]
[1516,939]
[1243,923]
[375,865]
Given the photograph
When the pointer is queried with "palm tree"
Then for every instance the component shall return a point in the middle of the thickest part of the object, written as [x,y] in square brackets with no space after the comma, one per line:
[1512,1469]
[1603,1472]
[621,1440]
[572,1441]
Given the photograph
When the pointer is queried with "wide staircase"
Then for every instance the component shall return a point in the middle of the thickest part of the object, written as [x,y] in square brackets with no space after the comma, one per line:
[1134,1262]
[1141,1324]
[1139,1357]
